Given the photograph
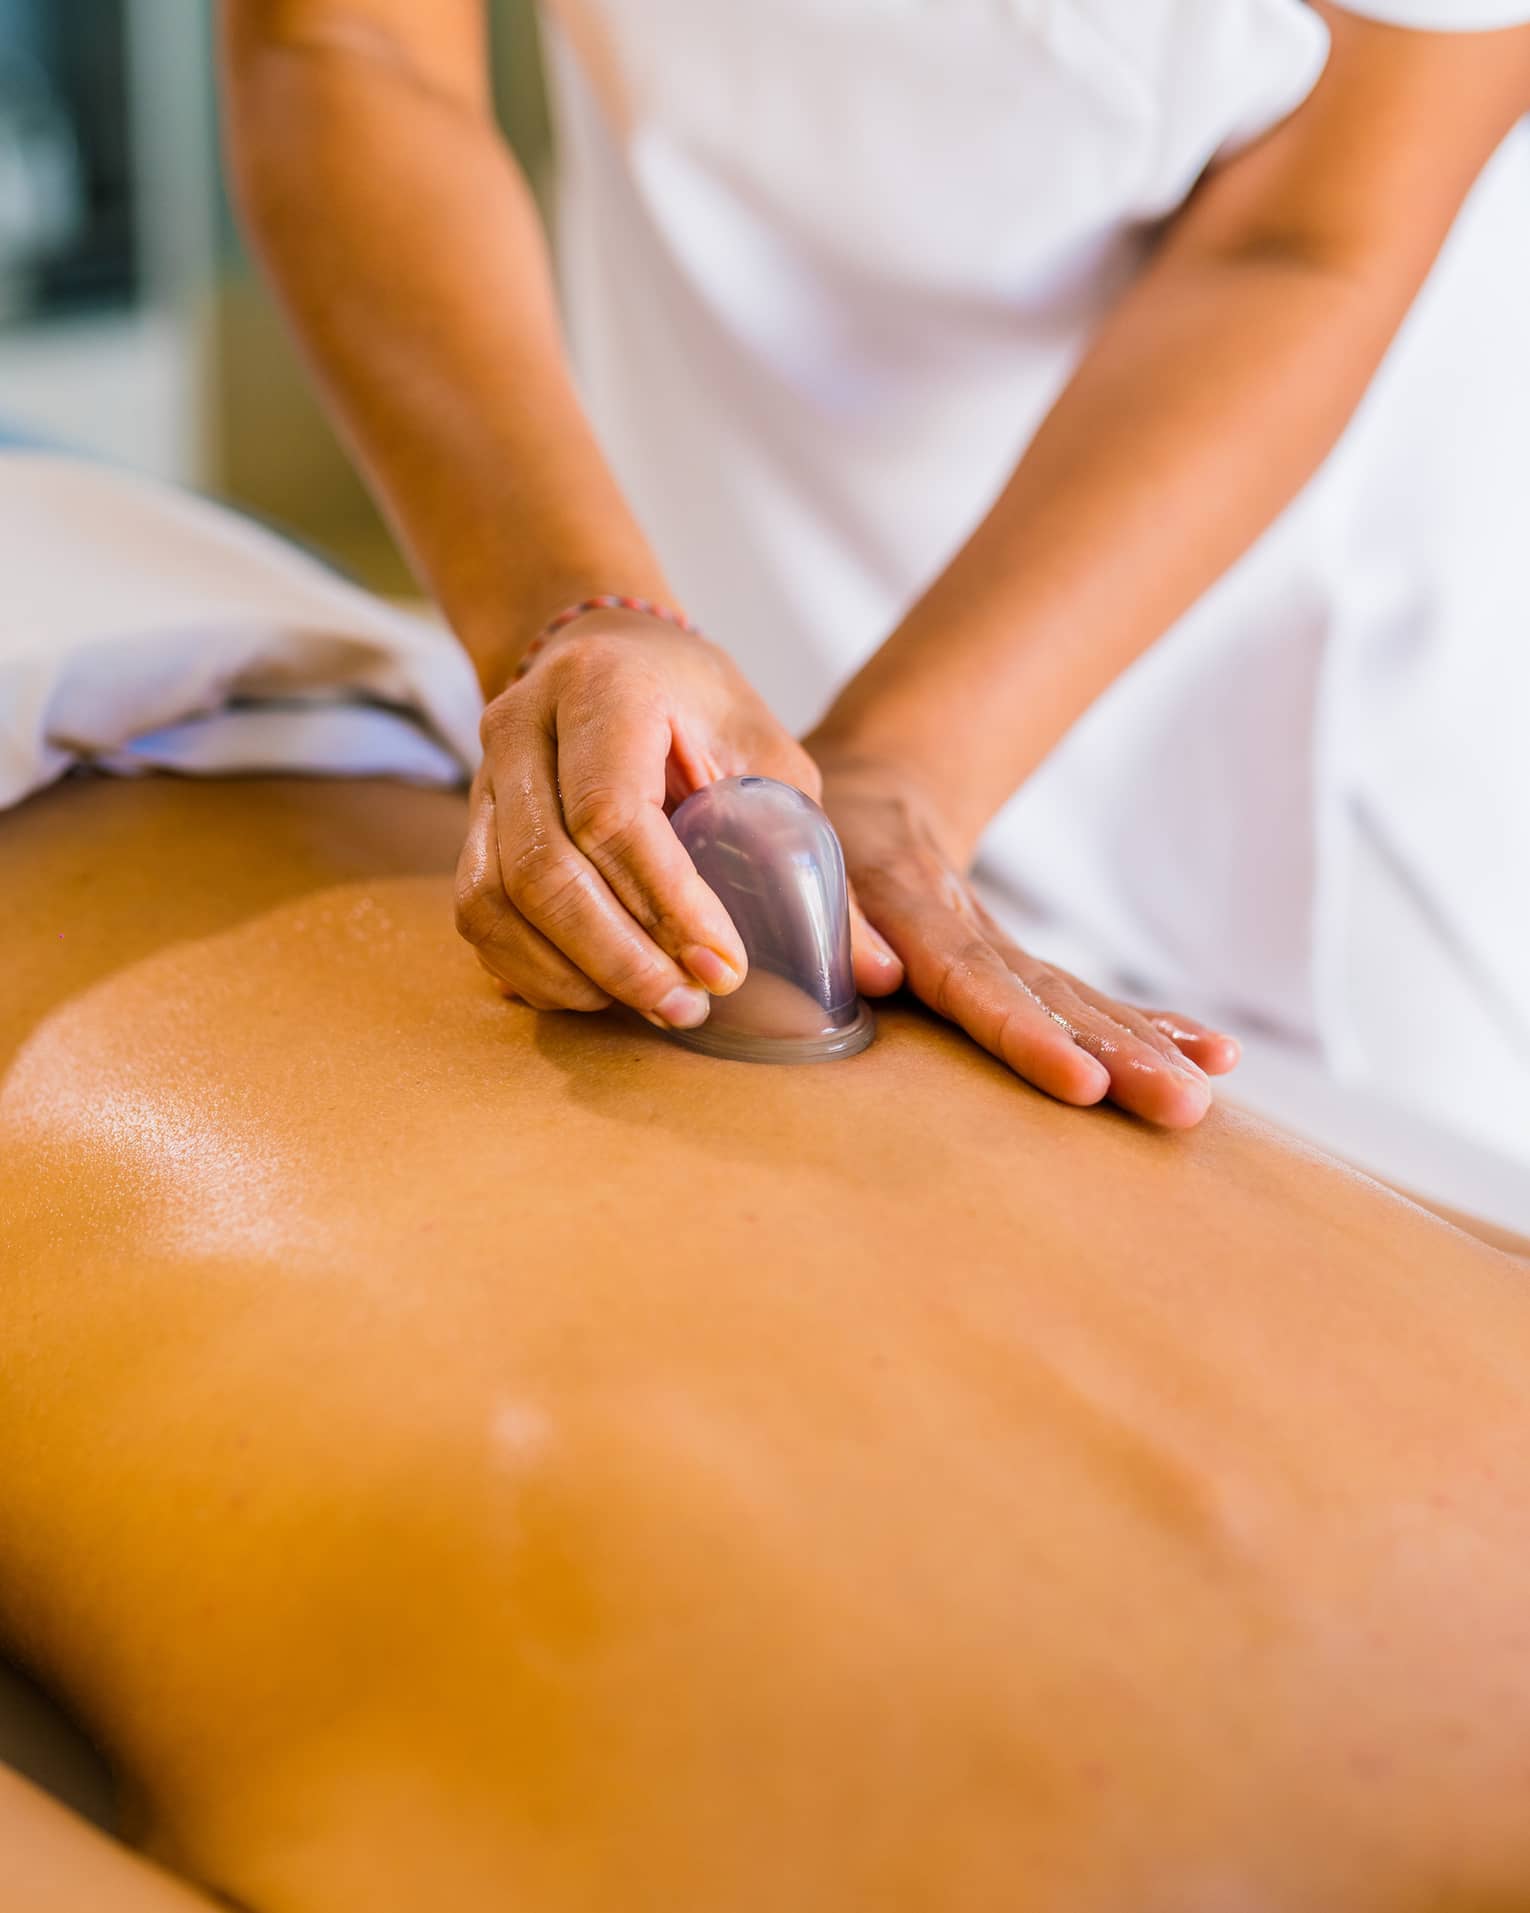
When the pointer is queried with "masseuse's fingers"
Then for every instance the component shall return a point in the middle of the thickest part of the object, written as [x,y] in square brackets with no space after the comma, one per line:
[952,966]
[560,893]
[1148,1074]
[1046,1025]
[1049,1027]
[516,955]
[611,760]
[1214,1050]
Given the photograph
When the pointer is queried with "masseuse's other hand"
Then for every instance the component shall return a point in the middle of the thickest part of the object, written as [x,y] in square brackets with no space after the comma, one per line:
[573,887]
[1068,1039]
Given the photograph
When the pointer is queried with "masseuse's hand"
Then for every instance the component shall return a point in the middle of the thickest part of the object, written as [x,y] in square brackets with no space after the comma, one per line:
[572,887]
[1076,1043]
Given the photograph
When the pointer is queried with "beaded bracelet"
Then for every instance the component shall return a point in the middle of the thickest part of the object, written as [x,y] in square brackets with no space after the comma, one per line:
[604,603]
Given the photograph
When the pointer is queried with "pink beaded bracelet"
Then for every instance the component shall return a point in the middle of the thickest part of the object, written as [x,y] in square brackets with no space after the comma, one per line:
[605,603]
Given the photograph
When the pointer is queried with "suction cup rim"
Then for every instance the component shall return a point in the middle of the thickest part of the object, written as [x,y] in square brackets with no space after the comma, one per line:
[737,1046]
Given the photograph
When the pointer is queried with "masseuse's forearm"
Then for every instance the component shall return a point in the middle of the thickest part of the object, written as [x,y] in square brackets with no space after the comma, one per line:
[406,246]
[1214,391]
[1212,395]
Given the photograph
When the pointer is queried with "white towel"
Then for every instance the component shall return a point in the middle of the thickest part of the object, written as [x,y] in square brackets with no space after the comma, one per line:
[144,627]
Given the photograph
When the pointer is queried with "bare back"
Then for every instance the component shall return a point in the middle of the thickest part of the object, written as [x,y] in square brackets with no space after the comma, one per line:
[457,1457]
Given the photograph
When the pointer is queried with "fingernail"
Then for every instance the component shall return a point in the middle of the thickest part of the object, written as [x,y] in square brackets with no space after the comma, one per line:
[683,1008]
[1099,1075]
[715,972]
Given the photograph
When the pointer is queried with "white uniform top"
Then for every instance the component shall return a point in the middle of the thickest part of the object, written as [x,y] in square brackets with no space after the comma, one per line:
[829,262]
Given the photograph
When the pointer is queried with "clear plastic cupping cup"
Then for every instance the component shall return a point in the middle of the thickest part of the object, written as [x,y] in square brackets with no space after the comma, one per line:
[771,856]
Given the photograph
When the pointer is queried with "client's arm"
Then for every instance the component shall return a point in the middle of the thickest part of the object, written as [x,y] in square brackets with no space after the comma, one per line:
[55,1863]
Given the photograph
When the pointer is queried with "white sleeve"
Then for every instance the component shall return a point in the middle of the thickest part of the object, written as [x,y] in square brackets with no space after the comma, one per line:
[1443,16]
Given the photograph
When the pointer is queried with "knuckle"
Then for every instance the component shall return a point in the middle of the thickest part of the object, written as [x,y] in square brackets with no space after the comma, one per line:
[491,720]
[1006,1023]
[634,977]
[503,974]
[976,953]
[600,818]
[1114,1023]
[545,883]
[952,970]
[571,993]
[883,890]
[1156,1043]
[475,913]
[587,662]
[502,718]
[584,649]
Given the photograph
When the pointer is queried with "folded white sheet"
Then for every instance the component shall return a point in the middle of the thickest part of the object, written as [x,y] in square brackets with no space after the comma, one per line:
[141,626]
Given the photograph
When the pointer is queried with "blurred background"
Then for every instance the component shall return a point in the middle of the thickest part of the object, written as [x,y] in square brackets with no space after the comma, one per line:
[132,324]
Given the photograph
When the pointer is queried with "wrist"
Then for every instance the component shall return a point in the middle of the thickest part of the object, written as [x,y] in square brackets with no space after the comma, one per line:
[966,740]
[871,760]
[499,627]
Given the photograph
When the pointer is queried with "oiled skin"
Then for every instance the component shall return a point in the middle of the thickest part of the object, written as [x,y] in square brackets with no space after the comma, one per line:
[456,1458]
